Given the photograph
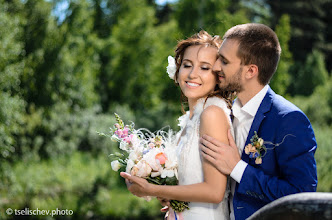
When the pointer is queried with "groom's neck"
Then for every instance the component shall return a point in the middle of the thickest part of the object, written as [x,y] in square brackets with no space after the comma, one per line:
[248,92]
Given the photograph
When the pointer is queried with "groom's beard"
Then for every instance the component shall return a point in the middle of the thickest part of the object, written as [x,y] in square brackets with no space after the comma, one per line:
[233,83]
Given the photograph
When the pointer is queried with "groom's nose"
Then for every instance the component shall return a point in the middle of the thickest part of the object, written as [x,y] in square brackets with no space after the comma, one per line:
[217,66]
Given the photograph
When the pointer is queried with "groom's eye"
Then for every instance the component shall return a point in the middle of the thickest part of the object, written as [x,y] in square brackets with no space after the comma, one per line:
[223,61]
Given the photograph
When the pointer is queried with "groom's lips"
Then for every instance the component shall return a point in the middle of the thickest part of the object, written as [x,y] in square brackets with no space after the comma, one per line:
[221,76]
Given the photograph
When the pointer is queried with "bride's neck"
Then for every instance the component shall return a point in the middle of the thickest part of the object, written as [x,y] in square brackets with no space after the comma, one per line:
[192,103]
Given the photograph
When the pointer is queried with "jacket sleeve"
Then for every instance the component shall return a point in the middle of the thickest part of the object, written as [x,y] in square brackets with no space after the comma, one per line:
[295,168]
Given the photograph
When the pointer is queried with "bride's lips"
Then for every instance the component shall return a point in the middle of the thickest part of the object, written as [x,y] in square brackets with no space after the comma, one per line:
[192,84]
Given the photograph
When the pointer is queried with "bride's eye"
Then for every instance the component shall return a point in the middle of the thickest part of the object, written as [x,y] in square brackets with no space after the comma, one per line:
[205,68]
[187,65]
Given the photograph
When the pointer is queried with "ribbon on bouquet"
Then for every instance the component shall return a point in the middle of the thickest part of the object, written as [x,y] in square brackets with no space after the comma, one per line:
[173,215]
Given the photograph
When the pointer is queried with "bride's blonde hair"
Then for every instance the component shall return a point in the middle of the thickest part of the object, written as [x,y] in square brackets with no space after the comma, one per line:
[205,39]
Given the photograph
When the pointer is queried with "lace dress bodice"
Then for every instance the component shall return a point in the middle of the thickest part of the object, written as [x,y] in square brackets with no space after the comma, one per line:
[190,169]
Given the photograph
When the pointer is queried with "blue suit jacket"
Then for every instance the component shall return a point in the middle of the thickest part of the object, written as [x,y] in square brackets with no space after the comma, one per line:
[287,168]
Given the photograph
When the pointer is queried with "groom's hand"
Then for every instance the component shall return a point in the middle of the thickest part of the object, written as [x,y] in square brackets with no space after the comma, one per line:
[136,185]
[224,157]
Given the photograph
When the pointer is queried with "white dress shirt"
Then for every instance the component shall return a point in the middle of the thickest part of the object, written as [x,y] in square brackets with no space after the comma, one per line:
[243,118]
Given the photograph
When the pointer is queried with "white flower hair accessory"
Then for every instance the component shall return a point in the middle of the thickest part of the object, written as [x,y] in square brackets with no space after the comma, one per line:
[171,68]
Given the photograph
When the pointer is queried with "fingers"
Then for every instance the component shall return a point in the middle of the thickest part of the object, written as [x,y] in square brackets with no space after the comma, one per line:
[209,159]
[128,183]
[207,144]
[129,178]
[164,209]
[212,143]
[164,202]
[209,139]
[231,139]
[134,179]
[207,152]
[125,175]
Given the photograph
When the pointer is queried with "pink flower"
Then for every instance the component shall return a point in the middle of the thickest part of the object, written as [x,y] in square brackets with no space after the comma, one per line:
[161,157]
[129,138]
[122,133]
[117,126]
[249,148]
[125,131]
[252,149]
[118,133]
[246,149]
[134,170]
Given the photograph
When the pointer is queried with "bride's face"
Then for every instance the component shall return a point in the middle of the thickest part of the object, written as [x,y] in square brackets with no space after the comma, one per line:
[196,78]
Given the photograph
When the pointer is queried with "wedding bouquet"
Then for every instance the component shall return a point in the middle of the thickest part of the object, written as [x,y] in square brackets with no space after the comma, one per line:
[148,155]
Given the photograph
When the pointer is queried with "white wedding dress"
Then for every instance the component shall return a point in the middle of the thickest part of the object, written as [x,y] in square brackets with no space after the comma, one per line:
[190,169]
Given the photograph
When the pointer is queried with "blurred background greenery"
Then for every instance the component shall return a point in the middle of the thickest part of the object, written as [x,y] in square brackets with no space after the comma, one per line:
[67,65]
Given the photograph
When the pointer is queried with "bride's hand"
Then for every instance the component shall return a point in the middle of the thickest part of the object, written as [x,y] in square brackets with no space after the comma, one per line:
[136,185]
[164,202]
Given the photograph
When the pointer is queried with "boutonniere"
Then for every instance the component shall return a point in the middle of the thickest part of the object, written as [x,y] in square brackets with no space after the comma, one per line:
[256,149]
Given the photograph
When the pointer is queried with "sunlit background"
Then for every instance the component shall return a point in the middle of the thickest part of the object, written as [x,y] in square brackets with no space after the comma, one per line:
[67,65]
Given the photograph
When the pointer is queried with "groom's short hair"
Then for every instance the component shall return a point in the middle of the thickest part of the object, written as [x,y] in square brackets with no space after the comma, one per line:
[259,45]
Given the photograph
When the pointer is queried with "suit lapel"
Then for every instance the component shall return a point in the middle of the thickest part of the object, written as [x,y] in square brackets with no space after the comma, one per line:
[264,107]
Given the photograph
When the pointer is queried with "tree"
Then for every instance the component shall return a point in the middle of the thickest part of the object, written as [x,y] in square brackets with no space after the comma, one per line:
[131,47]
[11,67]
[281,79]
[59,78]
[309,22]
[212,16]
[326,46]
[310,76]
[42,42]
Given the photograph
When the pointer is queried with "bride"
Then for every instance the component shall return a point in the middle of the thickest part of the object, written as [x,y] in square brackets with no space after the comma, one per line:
[200,183]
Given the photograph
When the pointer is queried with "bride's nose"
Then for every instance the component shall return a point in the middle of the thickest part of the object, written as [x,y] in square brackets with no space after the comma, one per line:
[194,72]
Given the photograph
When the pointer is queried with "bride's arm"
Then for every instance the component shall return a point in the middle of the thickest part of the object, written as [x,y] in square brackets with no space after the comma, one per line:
[214,123]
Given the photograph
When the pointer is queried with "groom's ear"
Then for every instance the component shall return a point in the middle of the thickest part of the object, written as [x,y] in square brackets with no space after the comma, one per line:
[252,71]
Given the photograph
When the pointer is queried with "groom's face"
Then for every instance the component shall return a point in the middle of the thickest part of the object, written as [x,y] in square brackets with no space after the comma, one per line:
[228,67]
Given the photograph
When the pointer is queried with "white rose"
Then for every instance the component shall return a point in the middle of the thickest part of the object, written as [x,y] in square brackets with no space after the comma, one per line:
[167,173]
[171,68]
[155,174]
[115,165]
[123,146]
[130,165]
[135,155]
[144,170]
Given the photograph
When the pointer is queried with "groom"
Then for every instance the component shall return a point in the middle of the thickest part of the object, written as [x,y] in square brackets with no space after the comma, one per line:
[247,61]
